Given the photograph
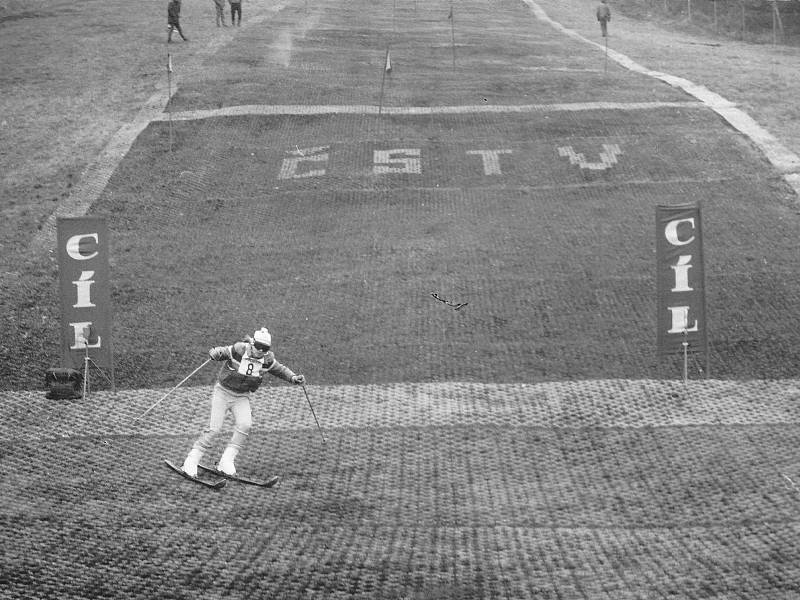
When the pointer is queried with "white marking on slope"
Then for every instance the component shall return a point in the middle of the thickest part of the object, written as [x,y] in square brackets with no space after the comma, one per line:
[369,109]
[608,157]
[562,69]
[783,159]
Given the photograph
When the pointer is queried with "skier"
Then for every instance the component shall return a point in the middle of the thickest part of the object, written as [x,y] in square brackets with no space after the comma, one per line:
[240,375]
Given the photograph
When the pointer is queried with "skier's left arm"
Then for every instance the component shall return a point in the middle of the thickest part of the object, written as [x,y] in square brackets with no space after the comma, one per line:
[282,371]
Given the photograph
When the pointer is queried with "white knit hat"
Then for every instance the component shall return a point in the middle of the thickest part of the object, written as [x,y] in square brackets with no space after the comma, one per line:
[262,336]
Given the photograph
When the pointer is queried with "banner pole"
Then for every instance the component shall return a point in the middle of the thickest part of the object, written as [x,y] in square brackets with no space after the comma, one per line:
[85,370]
[685,344]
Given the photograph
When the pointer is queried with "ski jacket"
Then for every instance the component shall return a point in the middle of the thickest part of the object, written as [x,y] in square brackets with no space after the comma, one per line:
[242,372]
[603,13]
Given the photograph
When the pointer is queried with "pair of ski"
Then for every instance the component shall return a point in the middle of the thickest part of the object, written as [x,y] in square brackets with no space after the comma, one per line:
[223,478]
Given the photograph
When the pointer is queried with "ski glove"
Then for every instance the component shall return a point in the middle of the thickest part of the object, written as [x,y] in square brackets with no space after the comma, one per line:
[299,379]
[217,353]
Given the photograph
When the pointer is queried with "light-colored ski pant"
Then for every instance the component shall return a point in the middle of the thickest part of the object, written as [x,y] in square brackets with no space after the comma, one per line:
[222,401]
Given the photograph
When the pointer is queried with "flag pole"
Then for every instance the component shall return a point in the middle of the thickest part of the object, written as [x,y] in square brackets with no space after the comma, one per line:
[169,97]
[453,34]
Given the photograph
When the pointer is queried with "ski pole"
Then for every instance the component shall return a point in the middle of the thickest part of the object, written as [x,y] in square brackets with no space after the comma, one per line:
[172,390]
[305,391]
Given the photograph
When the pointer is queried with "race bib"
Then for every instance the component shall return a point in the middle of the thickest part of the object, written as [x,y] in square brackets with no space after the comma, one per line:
[250,366]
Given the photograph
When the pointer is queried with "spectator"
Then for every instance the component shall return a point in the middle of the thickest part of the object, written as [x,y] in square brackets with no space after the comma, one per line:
[174,20]
[219,5]
[604,16]
[236,9]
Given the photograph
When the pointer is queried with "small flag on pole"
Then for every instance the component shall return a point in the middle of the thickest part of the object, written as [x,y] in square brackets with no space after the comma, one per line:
[387,69]
[450,16]
[169,63]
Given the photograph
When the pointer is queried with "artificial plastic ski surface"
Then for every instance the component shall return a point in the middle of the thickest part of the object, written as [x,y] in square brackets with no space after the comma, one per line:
[217,485]
[266,484]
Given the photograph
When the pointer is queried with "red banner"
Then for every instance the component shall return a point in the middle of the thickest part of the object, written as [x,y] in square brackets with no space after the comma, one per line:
[680,280]
[85,291]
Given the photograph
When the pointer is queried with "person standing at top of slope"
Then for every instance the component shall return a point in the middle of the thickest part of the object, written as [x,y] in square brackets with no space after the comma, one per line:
[236,9]
[240,375]
[174,20]
[604,16]
[219,6]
